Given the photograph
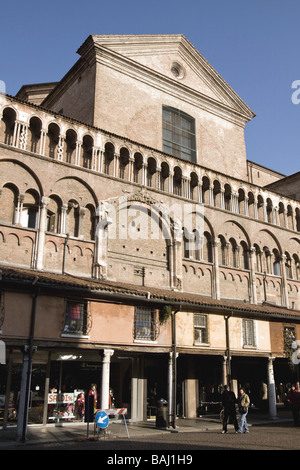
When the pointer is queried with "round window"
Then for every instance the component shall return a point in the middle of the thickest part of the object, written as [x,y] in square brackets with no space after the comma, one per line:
[177,70]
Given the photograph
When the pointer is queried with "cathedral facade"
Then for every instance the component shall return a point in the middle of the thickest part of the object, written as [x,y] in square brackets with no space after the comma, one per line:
[141,250]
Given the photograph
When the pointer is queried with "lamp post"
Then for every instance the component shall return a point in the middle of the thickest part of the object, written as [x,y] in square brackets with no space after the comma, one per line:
[228,349]
[27,373]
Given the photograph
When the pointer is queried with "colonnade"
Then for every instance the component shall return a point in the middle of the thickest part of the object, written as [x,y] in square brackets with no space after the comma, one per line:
[92,149]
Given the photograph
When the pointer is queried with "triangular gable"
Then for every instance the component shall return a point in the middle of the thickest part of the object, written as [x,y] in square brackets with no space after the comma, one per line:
[160,52]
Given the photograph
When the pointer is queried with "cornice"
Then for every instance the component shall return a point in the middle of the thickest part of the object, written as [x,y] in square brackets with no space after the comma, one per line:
[105,50]
[131,45]
[138,71]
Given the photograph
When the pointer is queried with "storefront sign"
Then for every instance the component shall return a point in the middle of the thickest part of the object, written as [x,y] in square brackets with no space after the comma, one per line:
[63,398]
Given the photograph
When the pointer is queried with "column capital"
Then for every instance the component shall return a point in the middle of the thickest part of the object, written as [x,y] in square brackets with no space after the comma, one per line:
[45,200]
[107,353]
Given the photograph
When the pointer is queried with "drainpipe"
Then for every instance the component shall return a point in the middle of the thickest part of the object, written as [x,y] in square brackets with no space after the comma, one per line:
[228,349]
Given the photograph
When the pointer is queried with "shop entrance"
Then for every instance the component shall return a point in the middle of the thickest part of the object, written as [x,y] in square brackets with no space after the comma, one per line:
[156,372]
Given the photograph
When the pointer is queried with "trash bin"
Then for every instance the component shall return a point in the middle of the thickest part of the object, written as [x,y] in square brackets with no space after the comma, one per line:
[162,413]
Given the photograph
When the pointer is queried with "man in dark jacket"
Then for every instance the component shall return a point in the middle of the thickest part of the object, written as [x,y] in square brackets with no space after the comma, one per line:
[293,399]
[229,412]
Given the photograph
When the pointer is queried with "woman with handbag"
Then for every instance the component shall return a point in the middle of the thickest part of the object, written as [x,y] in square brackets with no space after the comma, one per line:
[244,402]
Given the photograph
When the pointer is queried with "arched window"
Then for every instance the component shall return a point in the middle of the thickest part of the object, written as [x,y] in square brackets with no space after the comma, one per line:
[245,255]
[187,252]
[179,137]
[8,203]
[123,163]
[72,227]
[266,260]
[137,168]
[89,223]
[164,177]
[52,140]
[233,253]
[207,248]
[290,217]
[281,212]
[297,219]
[260,208]
[7,126]
[227,197]
[222,251]
[151,171]
[258,259]
[30,209]
[269,211]
[242,202]
[177,181]
[288,266]
[251,205]
[194,186]
[54,215]
[296,266]
[276,263]
[34,134]
[217,194]
[87,151]
[109,154]
[70,140]
[205,190]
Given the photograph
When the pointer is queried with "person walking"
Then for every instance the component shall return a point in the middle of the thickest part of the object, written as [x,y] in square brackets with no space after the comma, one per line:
[244,402]
[293,399]
[229,412]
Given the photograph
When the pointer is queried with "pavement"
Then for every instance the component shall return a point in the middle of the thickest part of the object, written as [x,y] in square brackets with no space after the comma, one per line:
[78,432]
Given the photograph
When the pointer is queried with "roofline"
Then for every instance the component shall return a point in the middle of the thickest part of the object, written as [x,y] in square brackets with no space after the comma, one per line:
[105,291]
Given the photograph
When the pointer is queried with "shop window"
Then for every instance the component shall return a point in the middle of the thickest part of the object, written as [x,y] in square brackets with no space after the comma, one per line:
[249,334]
[145,324]
[76,318]
[179,134]
[200,329]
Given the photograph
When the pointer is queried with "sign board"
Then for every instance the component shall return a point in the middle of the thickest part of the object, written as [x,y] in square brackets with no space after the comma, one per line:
[102,419]
[64,398]
[115,411]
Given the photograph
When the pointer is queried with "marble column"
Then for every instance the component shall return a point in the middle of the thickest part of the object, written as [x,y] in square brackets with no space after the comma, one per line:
[271,389]
[107,353]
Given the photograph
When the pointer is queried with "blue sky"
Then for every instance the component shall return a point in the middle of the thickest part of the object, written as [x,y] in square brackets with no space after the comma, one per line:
[253,45]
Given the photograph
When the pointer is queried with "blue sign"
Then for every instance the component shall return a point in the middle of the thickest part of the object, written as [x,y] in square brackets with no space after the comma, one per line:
[102,419]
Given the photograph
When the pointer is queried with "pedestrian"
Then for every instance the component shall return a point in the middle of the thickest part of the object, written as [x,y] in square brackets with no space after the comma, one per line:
[244,402]
[293,399]
[229,412]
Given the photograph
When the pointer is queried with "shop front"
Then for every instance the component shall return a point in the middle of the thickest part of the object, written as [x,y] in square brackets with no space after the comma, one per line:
[59,386]
[62,383]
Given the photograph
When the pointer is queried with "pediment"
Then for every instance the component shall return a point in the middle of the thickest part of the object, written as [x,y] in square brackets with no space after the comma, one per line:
[175,58]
